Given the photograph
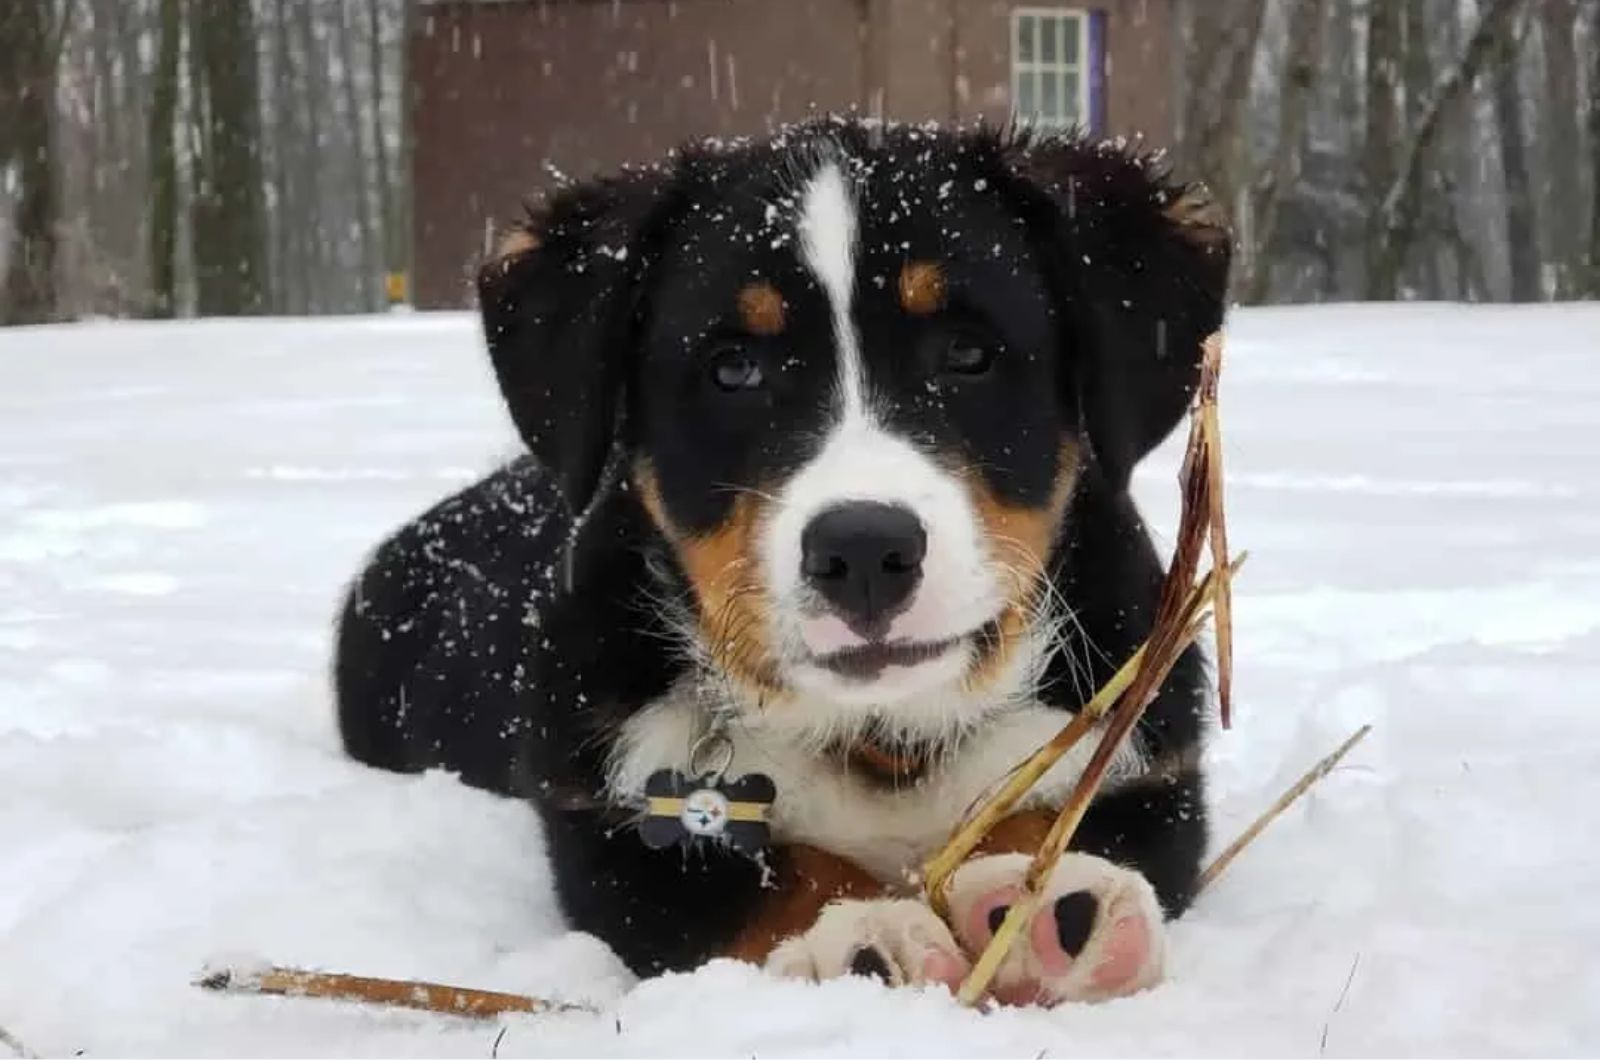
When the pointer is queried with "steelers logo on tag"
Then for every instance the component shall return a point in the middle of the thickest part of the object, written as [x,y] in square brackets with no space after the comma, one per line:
[705,812]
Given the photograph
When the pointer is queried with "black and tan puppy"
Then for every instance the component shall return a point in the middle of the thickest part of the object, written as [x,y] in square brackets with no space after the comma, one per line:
[831,437]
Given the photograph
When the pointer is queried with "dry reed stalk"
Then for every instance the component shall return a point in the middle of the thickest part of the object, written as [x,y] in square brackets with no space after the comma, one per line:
[428,997]
[1180,615]
[1284,801]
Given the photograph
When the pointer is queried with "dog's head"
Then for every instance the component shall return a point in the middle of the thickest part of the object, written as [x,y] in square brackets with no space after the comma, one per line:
[854,374]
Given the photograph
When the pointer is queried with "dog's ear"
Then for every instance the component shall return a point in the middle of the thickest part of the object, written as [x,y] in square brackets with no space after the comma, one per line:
[1144,261]
[560,304]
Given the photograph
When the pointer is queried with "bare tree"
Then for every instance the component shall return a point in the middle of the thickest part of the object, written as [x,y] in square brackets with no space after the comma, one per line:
[1381,146]
[1522,235]
[1594,150]
[1420,26]
[383,177]
[308,163]
[1398,208]
[1301,64]
[1224,39]
[31,35]
[163,157]
[1558,129]
[229,228]
[355,126]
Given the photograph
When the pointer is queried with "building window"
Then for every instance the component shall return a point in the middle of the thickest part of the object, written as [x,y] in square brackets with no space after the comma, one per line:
[1051,56]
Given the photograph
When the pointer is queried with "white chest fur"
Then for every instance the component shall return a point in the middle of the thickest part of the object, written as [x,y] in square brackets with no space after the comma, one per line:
[889,832]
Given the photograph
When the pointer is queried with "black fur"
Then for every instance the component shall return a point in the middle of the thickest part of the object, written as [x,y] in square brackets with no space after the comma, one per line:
[506,633]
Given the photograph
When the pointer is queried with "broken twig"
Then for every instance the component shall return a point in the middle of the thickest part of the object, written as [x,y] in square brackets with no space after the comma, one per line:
[1284,801]
[428,997]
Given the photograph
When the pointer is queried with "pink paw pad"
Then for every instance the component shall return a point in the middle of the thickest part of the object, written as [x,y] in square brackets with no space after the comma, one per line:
[1123,953]
[942,966]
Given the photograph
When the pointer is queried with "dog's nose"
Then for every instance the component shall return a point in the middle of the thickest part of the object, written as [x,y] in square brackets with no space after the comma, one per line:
[865,559]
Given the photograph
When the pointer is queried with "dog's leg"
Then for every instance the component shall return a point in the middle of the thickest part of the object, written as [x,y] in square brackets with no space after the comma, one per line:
[670,910]
[805,880]
[828,917]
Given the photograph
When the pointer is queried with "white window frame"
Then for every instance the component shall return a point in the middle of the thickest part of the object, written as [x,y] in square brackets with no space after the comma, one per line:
[1056,74]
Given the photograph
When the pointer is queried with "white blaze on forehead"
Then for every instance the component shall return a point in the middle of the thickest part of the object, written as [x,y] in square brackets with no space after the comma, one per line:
[827,227]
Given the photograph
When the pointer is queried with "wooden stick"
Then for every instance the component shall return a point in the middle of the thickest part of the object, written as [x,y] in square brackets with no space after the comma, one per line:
[428,997]
[1284,801]
[1211,425]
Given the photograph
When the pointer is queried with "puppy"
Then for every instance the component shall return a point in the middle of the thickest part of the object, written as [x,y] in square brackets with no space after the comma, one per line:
[830,441]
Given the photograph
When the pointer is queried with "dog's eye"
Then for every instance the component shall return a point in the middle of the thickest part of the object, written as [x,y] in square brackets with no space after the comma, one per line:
[968,356]
[735,369]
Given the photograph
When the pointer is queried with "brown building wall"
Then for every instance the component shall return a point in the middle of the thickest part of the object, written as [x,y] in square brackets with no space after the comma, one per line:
[504,89]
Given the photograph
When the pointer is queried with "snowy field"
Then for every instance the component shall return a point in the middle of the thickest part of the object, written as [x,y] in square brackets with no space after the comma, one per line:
[180,505]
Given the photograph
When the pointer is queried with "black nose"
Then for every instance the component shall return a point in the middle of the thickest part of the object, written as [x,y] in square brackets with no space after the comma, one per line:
[865,559]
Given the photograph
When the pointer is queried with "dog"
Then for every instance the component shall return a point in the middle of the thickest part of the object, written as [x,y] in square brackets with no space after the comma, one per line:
[829,445]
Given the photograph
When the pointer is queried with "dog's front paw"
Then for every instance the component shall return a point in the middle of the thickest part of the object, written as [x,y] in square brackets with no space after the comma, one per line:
[898,940]
[1098,934]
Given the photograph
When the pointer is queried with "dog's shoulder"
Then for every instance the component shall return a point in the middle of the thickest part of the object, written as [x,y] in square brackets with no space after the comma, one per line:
[462,645]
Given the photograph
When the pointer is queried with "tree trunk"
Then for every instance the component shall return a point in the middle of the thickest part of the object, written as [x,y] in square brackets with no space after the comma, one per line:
[1222,54]
[27,99]
[1594,152]
[1522,236]
[1428,279]
[288,231]
[405,185]
[1380,151]
[1306,24]
[309,164]
[1398,207]
[164,164]
[229,231]
[360,186]
[1558,128]
[380,139]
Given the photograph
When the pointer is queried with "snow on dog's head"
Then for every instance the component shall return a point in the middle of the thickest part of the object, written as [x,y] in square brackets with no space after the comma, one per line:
[854,373]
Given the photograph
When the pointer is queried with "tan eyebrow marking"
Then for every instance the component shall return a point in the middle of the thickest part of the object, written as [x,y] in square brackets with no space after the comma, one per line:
[761,308]
[517,241]
[922,287]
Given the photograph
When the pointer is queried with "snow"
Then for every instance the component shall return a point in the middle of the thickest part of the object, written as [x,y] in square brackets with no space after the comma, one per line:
[181,503]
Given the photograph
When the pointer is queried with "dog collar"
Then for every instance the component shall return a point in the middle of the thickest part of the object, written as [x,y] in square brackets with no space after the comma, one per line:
[886,765]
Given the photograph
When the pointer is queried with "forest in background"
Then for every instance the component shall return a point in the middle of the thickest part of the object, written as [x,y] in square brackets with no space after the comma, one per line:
[217,157]
[200,157]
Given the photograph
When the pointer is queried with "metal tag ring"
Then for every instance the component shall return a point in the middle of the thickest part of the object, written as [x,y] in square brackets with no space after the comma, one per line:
[711,748]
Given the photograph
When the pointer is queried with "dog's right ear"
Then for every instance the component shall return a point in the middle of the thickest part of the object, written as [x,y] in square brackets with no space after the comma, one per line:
[560,305]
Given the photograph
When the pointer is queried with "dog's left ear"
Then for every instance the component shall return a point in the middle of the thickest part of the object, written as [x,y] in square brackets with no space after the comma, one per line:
[560,304]
[1144,262]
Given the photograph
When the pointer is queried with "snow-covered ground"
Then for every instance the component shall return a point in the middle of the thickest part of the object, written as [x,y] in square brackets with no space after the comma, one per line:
[180,505]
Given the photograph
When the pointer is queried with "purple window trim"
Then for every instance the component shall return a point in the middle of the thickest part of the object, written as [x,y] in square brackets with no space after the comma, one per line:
[1097,73]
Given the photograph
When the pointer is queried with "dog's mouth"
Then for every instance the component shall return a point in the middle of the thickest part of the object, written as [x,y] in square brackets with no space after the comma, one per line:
[869,661]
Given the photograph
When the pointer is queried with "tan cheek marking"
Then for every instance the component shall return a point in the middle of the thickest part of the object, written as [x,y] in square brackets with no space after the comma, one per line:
[809,880]
[922,288]
[1022,538]
[761,309]
[733,603]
